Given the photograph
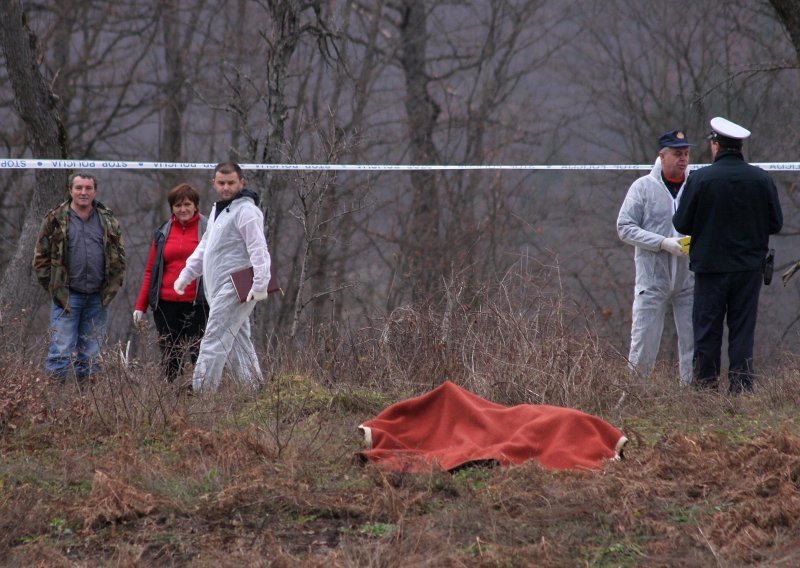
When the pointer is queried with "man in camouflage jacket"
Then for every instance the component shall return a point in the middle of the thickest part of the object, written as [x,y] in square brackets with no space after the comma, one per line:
[80,261]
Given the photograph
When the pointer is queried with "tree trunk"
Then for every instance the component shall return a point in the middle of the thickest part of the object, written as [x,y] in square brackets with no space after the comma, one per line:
[286,32]
[789,15]
[37,106]
[421,242]
[174,98]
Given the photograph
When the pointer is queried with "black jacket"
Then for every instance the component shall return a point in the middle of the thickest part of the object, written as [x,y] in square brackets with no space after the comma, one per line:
[730,209]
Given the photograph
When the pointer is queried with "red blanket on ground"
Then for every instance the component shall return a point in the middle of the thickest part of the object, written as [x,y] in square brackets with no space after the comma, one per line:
[449,427]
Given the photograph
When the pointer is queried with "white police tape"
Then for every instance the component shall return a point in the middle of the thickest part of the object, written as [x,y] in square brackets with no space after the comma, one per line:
[37,164]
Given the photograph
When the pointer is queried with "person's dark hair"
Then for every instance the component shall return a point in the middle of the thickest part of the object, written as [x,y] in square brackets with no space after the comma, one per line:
[730,144]
[726,143]
[183,191]
[83,175]
[228,168]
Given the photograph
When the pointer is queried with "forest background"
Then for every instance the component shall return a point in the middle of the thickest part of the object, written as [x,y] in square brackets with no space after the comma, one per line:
[407,82]
[513,284]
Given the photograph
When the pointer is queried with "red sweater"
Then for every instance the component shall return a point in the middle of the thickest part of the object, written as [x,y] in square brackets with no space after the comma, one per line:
[181,242]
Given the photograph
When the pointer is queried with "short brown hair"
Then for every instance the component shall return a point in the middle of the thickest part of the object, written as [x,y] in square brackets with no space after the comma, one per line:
[228,168]
[183,191]
[83,175]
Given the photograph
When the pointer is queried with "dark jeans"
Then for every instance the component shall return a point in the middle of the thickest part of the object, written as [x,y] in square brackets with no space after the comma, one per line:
[180,328]
[731,294]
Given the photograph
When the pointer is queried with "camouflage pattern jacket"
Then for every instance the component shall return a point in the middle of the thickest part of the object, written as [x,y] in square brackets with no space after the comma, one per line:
[50,258]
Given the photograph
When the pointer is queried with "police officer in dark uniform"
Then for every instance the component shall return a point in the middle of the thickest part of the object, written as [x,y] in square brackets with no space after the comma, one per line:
[730,209]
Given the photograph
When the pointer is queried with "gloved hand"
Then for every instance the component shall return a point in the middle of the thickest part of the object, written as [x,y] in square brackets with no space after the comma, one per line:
[672,245]
[138,317]
[256,295]
[180,285]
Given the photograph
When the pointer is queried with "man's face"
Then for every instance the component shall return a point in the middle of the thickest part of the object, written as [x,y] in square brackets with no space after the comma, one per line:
[82,192]
[227,185]
[674,162]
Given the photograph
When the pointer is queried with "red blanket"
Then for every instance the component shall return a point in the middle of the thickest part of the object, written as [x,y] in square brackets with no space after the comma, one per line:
[449,427]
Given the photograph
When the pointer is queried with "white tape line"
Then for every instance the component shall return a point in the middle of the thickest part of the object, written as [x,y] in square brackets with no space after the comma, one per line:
[37,164]
[33,164]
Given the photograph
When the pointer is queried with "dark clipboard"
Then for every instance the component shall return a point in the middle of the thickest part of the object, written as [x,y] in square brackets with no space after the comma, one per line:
[243,281]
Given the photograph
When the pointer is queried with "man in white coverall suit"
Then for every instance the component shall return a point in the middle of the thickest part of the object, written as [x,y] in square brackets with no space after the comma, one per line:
[233,240]
[662,266]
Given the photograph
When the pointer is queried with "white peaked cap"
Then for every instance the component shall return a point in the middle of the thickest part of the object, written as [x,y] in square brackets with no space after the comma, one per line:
[728,129]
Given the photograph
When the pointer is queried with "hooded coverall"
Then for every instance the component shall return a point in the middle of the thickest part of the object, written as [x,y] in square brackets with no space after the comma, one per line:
[644,221]
[234,240]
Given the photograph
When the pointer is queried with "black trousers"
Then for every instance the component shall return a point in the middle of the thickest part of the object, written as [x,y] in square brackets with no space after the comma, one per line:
[731,294]
[180,328]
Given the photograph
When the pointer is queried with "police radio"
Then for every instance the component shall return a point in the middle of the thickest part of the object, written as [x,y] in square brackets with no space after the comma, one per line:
[768,267]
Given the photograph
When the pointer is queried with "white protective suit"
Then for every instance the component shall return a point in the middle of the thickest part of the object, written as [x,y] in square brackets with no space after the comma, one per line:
[644,220]
[234,240]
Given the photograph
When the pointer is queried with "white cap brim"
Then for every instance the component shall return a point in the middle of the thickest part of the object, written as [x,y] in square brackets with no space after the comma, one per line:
[728,129]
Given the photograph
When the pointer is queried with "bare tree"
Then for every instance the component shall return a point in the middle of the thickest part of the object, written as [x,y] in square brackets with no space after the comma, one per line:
[463,95]
[38,107]
[788,12]
[177,38]
[421,262]
[638,70]
[399,82]
[316,221]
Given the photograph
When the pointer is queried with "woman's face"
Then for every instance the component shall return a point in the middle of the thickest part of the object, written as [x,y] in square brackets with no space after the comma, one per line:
[184,210]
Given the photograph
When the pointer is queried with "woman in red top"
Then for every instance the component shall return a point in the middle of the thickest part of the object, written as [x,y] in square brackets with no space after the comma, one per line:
[180,320]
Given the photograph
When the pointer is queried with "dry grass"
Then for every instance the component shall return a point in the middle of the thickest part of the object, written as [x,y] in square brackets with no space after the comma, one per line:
[134,472]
